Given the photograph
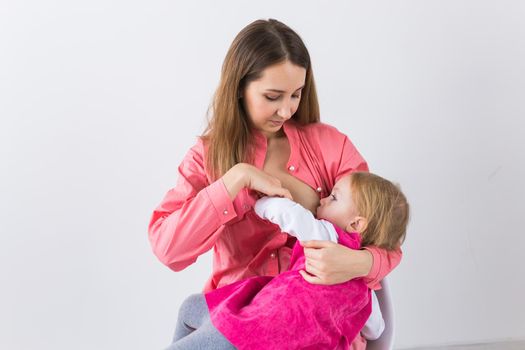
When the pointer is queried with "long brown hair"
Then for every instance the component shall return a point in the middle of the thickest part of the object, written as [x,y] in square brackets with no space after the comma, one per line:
[259,45]
[385,207]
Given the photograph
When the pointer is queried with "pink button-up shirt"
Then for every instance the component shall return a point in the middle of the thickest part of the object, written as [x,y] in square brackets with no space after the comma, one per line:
[198,214]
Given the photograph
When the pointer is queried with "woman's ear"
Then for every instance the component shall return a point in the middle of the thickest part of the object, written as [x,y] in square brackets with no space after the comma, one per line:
[359,224]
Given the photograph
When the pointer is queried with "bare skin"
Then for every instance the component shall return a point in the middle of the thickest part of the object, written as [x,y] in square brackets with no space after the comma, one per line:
[275,164]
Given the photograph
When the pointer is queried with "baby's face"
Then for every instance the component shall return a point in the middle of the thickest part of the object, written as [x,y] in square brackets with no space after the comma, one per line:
[338,207]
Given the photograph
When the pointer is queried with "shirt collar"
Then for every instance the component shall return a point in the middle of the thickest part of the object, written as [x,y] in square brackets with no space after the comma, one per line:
[260,142]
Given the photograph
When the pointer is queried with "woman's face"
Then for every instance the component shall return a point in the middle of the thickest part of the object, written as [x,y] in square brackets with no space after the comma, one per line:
[273,98]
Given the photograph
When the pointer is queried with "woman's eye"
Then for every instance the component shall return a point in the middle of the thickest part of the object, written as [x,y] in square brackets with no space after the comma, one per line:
[296,96]
[272,98]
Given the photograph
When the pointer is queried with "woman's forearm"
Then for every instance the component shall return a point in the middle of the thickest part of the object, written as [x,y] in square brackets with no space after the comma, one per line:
[188,220]
[363,263]
[235,179]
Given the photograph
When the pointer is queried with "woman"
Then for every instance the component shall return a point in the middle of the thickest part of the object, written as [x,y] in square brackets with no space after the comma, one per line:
[264,137]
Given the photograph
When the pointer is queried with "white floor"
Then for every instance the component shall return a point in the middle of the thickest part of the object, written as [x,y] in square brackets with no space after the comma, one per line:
[513,345]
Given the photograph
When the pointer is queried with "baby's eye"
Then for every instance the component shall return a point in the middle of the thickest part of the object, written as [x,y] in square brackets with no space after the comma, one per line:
[333,196]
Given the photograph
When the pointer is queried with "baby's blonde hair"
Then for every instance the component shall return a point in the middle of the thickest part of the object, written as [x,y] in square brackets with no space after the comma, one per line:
[384,206]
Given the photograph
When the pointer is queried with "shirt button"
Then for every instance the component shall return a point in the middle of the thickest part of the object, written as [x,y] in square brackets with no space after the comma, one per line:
[272,255]
[225,212]
[291,168]
[319,189]
[246,206]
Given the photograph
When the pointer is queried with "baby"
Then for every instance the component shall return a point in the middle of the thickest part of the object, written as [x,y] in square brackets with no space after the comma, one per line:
[285,311]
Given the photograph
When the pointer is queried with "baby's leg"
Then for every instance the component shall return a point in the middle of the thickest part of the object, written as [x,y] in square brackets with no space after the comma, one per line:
[205,337]
[192,314]
[375,325]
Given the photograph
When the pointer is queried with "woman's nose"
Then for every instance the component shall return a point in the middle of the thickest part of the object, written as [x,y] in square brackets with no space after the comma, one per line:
[285,111]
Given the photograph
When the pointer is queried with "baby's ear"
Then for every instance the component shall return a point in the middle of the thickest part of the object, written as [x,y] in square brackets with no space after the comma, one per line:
[359,224]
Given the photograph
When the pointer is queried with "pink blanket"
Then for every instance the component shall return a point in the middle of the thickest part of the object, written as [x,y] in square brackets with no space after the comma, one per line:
[286,312]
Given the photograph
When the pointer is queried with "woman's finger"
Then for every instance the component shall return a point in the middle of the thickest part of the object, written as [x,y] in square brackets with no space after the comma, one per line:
[308,267]
[312,253]
[316,244]
[285,193]
[316,264]
[318,268]
[309,278]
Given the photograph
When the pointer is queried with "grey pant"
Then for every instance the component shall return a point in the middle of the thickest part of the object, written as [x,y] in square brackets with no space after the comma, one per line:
[194,329]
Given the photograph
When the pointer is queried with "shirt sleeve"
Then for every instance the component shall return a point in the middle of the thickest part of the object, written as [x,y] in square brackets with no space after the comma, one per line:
[384,261]
[187,222]
[351,160]
[294,219]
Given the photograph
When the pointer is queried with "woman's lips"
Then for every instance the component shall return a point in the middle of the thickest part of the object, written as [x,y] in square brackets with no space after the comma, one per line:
[276,123]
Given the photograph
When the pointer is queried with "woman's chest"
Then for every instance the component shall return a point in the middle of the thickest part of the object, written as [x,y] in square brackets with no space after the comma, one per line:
[277,164]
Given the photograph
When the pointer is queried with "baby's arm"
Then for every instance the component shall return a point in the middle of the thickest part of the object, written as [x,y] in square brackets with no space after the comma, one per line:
[294,219]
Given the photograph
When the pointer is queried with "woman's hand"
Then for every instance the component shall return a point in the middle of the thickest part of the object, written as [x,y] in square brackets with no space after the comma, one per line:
[246,175]
[331,263]
[265,183]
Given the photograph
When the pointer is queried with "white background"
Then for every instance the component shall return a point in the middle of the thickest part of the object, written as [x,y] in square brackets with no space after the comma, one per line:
[100,100]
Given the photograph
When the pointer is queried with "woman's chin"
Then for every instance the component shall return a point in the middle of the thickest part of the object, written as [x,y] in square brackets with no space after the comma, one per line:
[270,132]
